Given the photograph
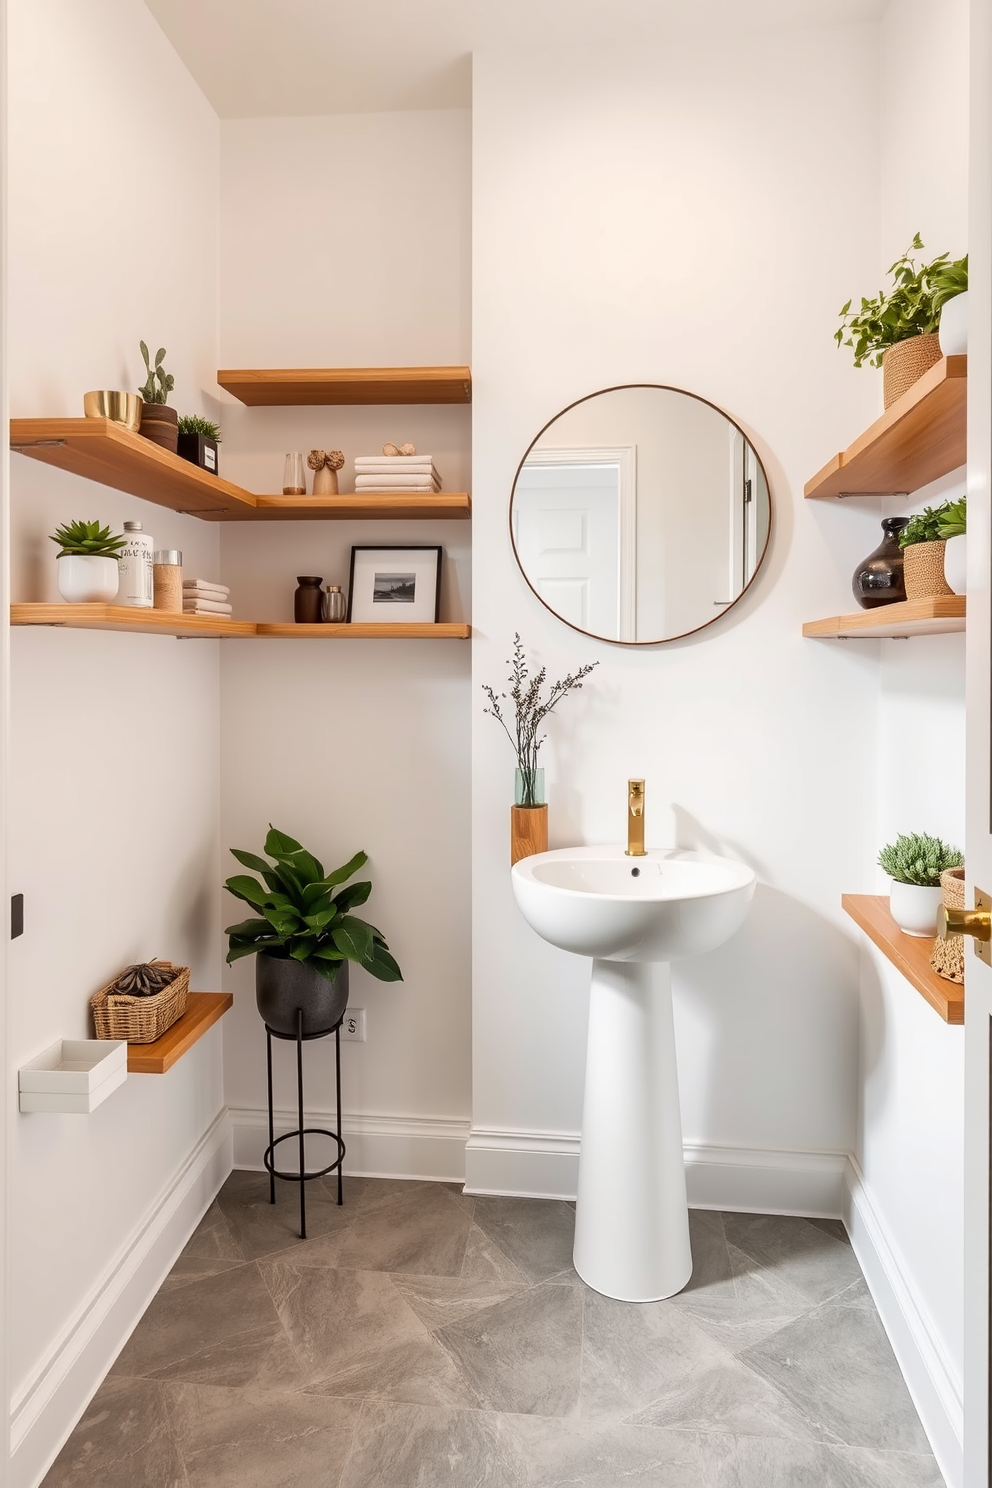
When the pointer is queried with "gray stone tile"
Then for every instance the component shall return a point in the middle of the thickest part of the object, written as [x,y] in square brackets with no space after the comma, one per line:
[211,1249]
[837,1368]
[732,1399]
[536,1234]
[522,1355]
[485,1261]
[581,1454]
[415,1372]
[364,1194]
[413,1447]
[439,1300]
[423,1232]
[743,1309]
[124,1440]
[832,1227]
[259,1438]
[218,1330]
[754,1462]
[795,1252]
[261,1228]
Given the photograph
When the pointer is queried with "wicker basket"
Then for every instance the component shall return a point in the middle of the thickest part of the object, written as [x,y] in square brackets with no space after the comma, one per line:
[923,570]
[947,957]
[141,1020]
[905,363]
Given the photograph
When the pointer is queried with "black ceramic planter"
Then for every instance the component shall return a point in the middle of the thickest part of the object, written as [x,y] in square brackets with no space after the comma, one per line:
[282,987]
[199,451]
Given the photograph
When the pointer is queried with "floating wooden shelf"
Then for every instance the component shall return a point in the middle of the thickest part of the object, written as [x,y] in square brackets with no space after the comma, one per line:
[909,954]
[123,617]
[442,631]
[161,622]
[369,505]
[898,621]
[294,387]
[921,437]
[203,1010]
[106,452]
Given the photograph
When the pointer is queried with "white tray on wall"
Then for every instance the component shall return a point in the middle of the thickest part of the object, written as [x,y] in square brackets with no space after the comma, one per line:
[74,1076]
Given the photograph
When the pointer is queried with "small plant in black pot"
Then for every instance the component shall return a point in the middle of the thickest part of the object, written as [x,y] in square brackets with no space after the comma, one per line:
[198,441]
[304,935]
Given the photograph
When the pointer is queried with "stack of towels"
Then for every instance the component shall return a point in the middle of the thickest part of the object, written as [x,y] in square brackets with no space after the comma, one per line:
[410,473]
[200,597]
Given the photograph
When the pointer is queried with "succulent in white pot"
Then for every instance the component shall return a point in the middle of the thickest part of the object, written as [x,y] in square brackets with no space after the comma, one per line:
[952,527]
[914,863]
[87,562]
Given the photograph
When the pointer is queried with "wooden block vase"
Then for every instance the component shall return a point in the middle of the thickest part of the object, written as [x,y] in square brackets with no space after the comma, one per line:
[528,831]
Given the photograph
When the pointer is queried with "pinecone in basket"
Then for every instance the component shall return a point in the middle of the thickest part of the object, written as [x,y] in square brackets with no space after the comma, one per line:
[143,980]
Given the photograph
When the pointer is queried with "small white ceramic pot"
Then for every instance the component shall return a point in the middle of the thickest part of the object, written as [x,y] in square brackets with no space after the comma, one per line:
[914,908]
[956,563]
[953,330]
[87,578]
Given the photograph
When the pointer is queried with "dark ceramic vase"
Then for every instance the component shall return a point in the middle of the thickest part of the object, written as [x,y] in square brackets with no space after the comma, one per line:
[283,986]
[160,424]
[306,600]
[878,579]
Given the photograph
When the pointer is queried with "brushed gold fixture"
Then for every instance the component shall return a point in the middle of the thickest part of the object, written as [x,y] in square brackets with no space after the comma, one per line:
[976,922]
[635,819]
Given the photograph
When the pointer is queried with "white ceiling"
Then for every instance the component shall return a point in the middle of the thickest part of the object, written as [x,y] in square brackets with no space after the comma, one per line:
[263,58]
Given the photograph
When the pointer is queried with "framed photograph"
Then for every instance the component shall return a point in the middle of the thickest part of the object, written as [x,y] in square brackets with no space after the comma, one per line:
[394,585]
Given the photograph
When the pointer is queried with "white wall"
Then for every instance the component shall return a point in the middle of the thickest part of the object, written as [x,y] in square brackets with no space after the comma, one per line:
[646,218]
[344,241]
[113,808]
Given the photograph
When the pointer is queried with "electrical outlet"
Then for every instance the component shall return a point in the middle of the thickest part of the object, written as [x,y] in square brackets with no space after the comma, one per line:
[353,1025]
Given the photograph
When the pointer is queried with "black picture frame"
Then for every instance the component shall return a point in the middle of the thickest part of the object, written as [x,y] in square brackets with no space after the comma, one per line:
[394,548]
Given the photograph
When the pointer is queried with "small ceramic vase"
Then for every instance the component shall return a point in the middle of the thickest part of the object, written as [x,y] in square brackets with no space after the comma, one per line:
[914,907]
[87,578]
[306,601]
[953,330]
[878,580]
[956,562]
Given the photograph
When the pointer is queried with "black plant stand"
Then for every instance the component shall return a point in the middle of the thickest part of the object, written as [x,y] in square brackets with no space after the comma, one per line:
[301,1132]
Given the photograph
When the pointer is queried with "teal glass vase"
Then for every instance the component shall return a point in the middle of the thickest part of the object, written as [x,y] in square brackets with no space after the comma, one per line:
[528,788]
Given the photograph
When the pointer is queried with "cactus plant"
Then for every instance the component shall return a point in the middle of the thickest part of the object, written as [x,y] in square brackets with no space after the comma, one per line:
[159,383]
[86,540]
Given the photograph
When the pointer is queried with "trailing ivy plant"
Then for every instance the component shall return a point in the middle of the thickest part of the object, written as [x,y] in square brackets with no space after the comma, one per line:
[911,308]
[954,521]
[918,859]
[924,526]
[159,383]
[87,540]
[302,913]
[192,423]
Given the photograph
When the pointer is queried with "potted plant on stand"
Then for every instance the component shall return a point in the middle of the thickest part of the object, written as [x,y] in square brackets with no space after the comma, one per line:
[159,423]
[304,935]
[914,863]
[898,331]
[529,814]
[923,554]
[952,527]
[87,564]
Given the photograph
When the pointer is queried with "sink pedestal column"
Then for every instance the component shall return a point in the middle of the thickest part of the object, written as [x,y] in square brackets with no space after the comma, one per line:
[632,1222]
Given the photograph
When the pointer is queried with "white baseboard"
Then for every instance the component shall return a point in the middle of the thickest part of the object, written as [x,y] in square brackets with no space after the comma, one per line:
[378,1146]
[933,1382]
[752,1180]
[45,1410]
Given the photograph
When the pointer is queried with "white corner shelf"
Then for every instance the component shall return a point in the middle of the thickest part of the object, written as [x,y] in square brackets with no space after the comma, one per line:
[74,1076]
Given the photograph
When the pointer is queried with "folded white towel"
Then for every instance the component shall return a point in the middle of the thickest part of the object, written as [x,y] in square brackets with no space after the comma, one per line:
[393,462]
[396,483]
[203,586]
[206,607]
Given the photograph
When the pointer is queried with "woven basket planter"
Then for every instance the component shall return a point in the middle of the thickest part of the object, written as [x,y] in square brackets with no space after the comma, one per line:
[905,363]
[141,1020]
[923,570]
[947,957]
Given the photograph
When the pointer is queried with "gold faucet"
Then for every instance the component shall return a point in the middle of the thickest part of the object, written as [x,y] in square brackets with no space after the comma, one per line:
[635,819]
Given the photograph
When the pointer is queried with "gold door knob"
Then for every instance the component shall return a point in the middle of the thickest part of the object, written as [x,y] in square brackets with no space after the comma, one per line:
[975,922]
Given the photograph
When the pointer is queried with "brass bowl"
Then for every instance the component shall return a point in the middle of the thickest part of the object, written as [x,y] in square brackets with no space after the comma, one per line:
[120,408]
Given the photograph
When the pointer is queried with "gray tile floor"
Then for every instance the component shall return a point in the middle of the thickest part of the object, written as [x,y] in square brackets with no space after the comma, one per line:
[424,1339]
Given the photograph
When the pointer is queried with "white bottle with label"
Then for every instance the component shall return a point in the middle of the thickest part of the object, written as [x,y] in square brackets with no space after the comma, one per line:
[136,585]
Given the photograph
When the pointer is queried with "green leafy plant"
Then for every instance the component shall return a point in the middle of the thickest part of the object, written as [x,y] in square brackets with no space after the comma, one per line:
[159,383]
[924,526]
[911,308]
[87,540]
[192,423]
[918,859]
[299,914]
[530,711]
[954,521]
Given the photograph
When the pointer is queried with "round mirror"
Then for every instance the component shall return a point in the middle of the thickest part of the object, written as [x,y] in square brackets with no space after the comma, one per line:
[640,514]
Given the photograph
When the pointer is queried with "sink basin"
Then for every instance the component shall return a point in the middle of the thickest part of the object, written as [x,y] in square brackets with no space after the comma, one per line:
[632,916]
[595,901]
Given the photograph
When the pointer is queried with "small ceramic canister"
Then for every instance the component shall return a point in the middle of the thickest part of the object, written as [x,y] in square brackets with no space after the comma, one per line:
[306,600]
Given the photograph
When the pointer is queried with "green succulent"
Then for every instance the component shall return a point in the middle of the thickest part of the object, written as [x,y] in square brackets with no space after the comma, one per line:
[300,917]
[87,539]
[192,423]
[911,308]
[159,383]
[918,859]
[954,521]
[924,526]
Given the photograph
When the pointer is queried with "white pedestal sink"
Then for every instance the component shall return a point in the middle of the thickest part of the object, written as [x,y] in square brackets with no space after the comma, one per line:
[632,916]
